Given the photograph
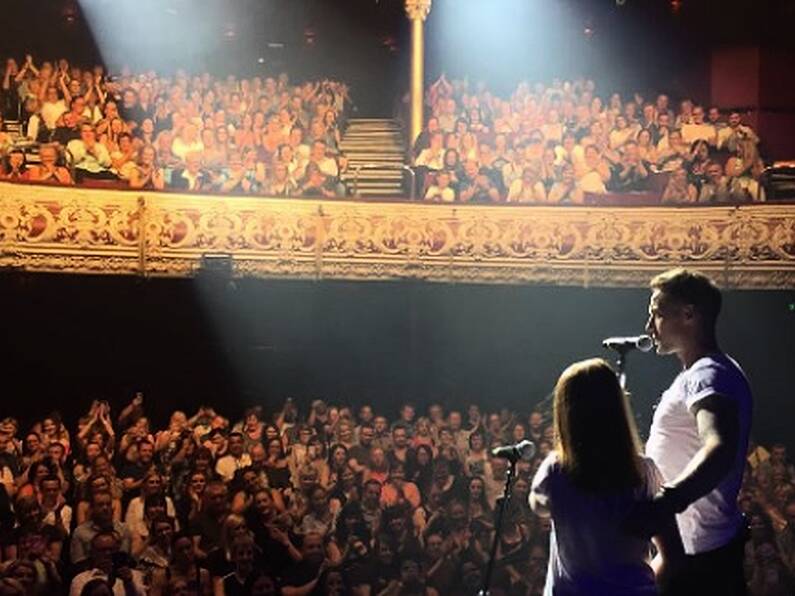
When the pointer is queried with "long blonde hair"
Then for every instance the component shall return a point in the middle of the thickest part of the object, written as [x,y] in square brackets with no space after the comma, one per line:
[595,434]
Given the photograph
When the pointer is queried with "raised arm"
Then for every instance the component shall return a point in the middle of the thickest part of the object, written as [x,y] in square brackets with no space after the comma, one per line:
[64,89]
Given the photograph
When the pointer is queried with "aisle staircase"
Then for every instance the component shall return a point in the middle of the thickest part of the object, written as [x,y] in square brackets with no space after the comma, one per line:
[375,147]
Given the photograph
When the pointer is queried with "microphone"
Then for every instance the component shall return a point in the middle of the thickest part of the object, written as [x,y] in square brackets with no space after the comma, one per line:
[644,343]
[524,450]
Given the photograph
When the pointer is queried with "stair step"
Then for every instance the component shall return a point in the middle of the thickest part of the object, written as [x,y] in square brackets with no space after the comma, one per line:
[378,128]
[371,139]
[379,195]
[366,156]
[369,145]
[377,142]
[374,125]
[372,161]
[375,151]
[376,176]
[372,147]
[373,130]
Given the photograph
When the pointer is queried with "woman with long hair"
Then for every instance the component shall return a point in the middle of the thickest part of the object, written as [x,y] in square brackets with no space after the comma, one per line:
[422,471]
[589,483]
[276,466]
[183,566]
[148,175]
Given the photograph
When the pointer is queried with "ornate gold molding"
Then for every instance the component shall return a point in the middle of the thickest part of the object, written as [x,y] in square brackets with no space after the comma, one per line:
[418,9]
[114,232]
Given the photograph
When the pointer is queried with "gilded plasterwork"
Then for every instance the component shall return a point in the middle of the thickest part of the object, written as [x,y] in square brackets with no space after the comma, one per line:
[114,232]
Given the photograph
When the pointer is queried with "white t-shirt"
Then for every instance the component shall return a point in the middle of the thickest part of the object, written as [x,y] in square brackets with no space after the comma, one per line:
[228,465]
[519,193]
[81,579]
[592,182]
[180,148]
[589,553]
[446,195]
[51,111]
[698,132]
[713,520]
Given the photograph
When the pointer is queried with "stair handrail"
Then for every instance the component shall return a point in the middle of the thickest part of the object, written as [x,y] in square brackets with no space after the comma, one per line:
[381,166]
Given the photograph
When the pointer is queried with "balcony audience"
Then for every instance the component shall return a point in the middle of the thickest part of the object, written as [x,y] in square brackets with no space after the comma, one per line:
[244,130]
[623,147]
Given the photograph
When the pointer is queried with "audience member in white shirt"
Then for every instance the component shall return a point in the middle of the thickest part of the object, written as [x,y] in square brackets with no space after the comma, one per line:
[441,190]
[235,459]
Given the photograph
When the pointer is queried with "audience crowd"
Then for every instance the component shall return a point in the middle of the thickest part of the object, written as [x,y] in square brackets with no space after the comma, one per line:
[324,501]
[564,143]
[560,143]
[194,133]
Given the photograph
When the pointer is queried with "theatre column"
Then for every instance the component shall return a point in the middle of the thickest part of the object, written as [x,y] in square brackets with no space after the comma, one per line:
[417,11]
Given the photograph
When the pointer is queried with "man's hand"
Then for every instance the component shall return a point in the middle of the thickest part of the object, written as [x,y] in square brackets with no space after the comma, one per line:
[279,535]
[125,574]
[647,518]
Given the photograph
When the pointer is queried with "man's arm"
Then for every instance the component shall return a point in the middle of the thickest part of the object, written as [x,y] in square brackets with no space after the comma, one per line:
[670,552]
[718,424]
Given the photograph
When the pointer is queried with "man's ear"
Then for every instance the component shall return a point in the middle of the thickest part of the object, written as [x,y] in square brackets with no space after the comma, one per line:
[689,312]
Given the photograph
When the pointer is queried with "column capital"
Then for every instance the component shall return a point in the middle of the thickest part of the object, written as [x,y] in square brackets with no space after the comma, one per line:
[418,9]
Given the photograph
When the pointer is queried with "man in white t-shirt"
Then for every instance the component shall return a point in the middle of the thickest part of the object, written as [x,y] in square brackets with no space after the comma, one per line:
[111,566]
[699,435]
[52,108]
[235,459]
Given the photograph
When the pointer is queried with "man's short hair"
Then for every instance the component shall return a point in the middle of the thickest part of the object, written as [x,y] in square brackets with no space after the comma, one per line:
[105,534]
[691,287]
[373,481]
[100,493]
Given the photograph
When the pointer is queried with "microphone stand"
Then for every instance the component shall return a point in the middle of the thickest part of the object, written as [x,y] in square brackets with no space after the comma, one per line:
[621,363]
[501,505]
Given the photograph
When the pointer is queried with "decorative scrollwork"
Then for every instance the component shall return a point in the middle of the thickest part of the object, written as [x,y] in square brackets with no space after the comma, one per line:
[418,9]
[115,232]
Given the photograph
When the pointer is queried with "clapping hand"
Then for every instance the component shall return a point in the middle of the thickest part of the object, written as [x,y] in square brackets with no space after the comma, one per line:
[279,535]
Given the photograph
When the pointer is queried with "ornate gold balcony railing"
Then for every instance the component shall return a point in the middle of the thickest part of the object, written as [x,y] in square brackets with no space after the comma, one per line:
[75,230]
